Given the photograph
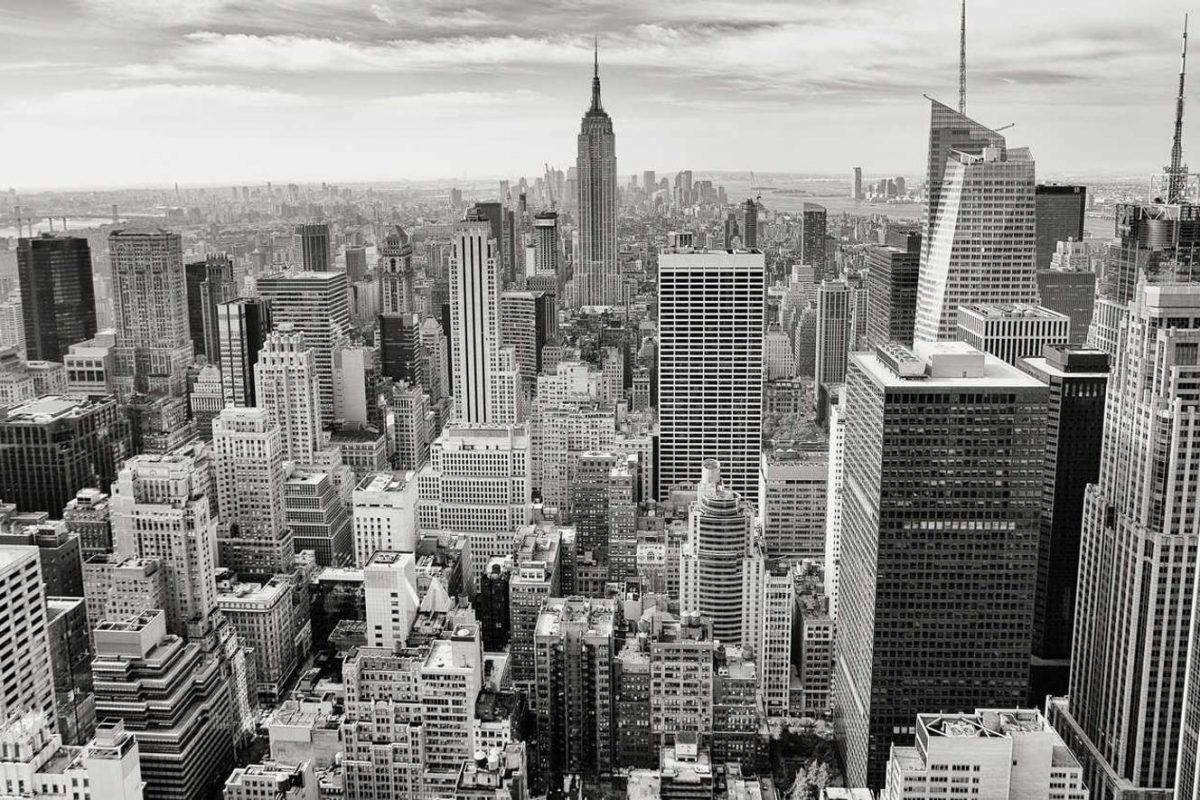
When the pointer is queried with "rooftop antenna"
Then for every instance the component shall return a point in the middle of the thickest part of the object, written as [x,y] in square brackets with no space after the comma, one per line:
[1177,172]
[962,60]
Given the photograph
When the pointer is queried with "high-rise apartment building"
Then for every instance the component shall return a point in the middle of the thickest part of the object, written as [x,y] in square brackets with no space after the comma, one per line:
[980,244]
[681,677]
[265,620]
[595,273]
[316,252]
[1011,331]
[1131,718]
[58,303]
[25,671]
[285,385]
[720,531]
[604,500]
[1059,217]
[154,345]
[171,698]
[248,456]
[892,292]
[536,577]
[242,328]
[711,320]
[476,483]
[317,304]
[814,249]
[53,446]
[486,380]
[940,514]
[162,509]
[1078,382]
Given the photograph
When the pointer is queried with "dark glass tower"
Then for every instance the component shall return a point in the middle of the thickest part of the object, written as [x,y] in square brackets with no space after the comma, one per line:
[1059,211]
[892,296]
[57,299]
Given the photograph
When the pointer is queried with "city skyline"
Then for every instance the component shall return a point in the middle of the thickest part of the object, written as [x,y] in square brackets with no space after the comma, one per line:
[290,77]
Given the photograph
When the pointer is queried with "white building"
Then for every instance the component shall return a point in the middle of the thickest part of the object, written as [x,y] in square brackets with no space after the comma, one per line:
[271,781]
[833,502]
[477,483]
[993,754]
[34,763]
[385,514]
[710,369]
[351,366]
[768,599]
[285,383]
[981,239]
[263,617]
[161,510]
[1012,331]
[25,673]
[249,460]
[89,365]
[391,596]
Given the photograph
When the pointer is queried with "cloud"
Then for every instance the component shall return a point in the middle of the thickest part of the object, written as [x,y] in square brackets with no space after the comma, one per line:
[151,99]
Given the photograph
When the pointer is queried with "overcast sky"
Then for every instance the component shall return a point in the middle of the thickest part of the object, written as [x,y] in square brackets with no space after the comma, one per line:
[119,92]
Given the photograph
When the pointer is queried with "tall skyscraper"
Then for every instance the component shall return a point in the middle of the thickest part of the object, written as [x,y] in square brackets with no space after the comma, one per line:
[649,182]
[1059,217]
[981,245]
[248,456]
[315,247]
[750,224]
[25,663]
[1078,381]
[356,264]
[1132,716]
[547,248]
[209,283]
[595,274]
[856,190]
[938,567]
[58,303]
[242,328]
[710,376]
[892,291]
[154,346]
[527,321]
[285,385]
[813,246]
[486,379]
[833,331]
[161,509]
[317,304]
[720,531]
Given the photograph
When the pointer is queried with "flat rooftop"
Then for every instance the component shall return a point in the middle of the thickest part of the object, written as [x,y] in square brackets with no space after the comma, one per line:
[983,370]
[1010,311]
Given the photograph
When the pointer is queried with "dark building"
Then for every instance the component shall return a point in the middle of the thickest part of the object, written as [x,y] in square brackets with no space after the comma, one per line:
[53,446]
[1059,211]
[491,605]
[892,291]
[1078,381]
[401,355]
[242,328]
[71,665]
[59,555]
[1070,293]
[314,247]
[209,283]
[500,224]
[636,744]
[750,224]
[941,508]
[732,230]
[58,303]
[356,263]
[813,241]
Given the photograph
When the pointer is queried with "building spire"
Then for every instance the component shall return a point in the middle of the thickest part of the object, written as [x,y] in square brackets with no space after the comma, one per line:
[1177,172]
[962,60]
[596,105]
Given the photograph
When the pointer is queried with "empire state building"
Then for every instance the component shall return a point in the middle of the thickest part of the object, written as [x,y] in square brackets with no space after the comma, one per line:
[596,279]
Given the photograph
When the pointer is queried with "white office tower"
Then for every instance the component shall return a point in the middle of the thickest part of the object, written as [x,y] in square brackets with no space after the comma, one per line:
[285,385]
[25,674]
[390,580]
[768,600]
[711,308]
[35,762]
[413,428]
[154,346]
[993,754]
[487,382]
[720,527]
[981,240]
[833,502]
[249,460]
[1132,718]
[317,304]
[1012,331]
[353,400]
[161,509]
[385,514]
[476,483]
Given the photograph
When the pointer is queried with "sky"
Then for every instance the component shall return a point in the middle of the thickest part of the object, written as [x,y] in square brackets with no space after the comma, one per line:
[213,92]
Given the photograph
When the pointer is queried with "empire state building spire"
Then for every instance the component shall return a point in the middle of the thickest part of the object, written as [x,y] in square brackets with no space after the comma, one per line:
[596,105]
